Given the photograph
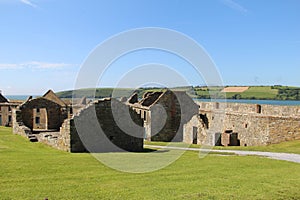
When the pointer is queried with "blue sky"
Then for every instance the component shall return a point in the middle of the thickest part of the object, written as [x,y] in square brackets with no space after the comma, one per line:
[43,43]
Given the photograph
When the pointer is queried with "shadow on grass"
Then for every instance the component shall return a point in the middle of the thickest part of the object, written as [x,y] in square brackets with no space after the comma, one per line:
[148,150]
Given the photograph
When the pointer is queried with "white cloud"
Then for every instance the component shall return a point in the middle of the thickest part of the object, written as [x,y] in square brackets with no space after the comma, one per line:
[33,65]
[28,2]
[235,6]
[8,66]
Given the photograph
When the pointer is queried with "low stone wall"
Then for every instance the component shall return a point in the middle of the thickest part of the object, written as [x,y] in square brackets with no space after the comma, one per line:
[21,130]
[18,126]
[59,140]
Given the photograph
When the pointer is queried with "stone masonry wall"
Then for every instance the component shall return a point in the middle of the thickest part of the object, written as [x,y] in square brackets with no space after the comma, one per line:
[102,130]
[254,124]
[59,140]
[272,110]
[171,107]
[179,109]
[283,129]
[55,115]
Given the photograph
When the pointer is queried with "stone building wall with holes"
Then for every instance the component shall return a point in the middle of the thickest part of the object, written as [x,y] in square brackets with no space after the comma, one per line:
[42,114]
[6,114]
[236,124]
[164,114]
[161,114]
[42,120]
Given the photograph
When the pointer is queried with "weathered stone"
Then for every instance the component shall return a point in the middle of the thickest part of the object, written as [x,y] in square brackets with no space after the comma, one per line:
[251,126]
[133,98]
[164,114]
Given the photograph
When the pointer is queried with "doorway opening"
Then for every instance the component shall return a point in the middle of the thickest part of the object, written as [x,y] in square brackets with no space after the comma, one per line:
[195,134]
[218,139]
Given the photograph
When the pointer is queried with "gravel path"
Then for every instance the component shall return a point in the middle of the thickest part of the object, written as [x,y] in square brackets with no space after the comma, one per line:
[278,156]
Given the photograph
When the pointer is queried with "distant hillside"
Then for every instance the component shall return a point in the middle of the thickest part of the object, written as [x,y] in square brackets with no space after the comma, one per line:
[104,92]
[276,92]
[253,92]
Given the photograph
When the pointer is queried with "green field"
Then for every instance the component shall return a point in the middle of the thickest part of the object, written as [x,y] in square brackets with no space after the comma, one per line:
[265,92]
[254,92]
[35,171]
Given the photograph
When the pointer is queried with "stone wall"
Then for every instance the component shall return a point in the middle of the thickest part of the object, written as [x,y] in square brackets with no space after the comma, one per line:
[20,129]
[54,117]
[6,110]
[283,129]
[106,126]
[5,114]
[164,114]
[195,126]
[171,108]
[253,124]
[59,140]
[276,110]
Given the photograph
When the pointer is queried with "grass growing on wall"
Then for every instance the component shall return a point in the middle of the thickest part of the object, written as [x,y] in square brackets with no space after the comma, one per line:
[35,171]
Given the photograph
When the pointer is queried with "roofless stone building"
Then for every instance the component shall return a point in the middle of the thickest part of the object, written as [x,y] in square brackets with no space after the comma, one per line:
[93,127]
[164,114]
[6,108]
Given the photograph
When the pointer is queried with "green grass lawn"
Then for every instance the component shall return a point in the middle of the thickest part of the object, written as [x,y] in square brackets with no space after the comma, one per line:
[35,171]
[284,147]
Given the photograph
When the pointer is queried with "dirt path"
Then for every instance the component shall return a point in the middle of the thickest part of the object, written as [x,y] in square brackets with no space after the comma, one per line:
[235,89]
[278,156]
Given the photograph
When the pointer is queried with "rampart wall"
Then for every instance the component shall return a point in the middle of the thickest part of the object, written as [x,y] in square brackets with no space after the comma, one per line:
[252,124]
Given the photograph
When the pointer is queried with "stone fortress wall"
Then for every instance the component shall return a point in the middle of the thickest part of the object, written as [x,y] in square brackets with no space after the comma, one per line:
[235,124]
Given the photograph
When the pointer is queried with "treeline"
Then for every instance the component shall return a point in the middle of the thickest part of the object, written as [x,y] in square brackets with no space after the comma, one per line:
[287,93]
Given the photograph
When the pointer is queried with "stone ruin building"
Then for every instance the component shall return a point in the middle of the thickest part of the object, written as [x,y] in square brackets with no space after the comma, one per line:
[164,114]
[6,108]
[122,128]
[50,120]
[235,124]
